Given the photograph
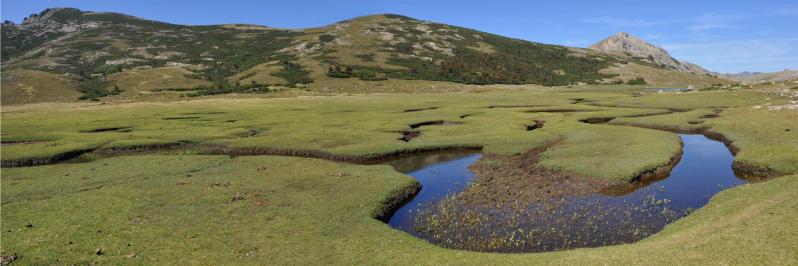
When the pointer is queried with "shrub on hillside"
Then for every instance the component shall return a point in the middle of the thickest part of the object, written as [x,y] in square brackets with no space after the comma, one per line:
[637,81]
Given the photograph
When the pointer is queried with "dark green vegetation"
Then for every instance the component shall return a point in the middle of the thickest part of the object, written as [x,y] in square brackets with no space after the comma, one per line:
[637,81]
[87,50]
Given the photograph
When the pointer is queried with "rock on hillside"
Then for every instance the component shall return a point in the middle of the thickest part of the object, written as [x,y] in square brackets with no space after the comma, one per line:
[625,44]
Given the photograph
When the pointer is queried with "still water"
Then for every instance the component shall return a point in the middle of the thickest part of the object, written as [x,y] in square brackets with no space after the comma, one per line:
[570,222]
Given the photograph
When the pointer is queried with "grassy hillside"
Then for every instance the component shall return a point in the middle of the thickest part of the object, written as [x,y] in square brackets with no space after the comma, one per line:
[90,50]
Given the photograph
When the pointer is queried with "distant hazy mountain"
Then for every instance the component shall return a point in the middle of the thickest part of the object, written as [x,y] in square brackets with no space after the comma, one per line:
[65,53]
[625,44]
[760,77]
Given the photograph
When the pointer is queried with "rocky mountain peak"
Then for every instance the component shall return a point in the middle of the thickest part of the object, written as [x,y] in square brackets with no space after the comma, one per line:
[51,14]
[623,43]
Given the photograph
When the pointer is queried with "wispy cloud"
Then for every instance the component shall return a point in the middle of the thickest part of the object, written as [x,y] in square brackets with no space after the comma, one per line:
[762,54]
[713,20]
[787,11]
[623,22]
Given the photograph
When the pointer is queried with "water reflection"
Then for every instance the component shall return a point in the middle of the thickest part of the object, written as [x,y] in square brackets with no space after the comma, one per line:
[569,222]
[439,174]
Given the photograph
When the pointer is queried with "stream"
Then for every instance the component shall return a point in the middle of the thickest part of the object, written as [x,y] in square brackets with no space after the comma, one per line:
[601,219]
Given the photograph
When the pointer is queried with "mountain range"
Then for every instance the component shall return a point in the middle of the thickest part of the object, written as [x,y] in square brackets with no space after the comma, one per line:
[760,77]
[62,54]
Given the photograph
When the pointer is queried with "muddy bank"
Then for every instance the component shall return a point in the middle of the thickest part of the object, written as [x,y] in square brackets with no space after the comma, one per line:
[434,123]
[107,129]
[561,110]
[505,179]
[607,119]
[132,149]
[181,118]
[212,149]
[23,142]
[44,160]
[536,125]
[419,109]
[409,135]
[670,109]
[749,171]
[597,120]
[516,106]
[644,179]
[396,200]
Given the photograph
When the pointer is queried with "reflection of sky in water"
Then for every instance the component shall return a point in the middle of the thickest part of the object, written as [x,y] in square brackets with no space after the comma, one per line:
[704,170]
[439,175]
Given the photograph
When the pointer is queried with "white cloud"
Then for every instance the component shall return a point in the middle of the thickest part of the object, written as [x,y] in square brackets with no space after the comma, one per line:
[712,20]
[623,22]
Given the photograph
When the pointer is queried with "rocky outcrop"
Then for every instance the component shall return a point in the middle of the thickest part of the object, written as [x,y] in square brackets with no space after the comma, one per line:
[624,44]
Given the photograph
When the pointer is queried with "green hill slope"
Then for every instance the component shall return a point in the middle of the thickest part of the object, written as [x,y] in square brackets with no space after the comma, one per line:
[95,52]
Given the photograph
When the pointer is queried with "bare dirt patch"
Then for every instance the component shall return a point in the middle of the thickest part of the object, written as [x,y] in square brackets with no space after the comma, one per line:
[107,129]
[536,125]
[409,135]
[419,109]
[434,123]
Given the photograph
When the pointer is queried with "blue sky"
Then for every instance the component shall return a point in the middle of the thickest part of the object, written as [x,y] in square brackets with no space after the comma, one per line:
[724,36]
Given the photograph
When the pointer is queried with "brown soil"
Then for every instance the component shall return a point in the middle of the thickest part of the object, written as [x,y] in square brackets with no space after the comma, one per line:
[396,200]
[602,120]
[536,125]
[434,123]
[504,179]
[107,129]
[559,110]
[715,114]
[516,106]
[203,113]
[8,259]
[180,117]
[409,135]
[419,109]
[44,160]
[23,142]
[643,179]
[597,120]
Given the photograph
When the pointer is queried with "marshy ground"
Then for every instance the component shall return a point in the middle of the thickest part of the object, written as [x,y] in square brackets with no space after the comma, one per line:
[157,184]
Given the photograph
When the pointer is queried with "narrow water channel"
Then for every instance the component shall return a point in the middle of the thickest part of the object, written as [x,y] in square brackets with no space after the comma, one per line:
[440,175]
[562,223]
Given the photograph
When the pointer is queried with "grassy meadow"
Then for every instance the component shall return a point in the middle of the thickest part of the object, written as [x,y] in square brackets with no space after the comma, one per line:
[128,199]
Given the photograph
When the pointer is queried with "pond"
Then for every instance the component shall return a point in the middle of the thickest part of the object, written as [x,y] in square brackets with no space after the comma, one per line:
[600,219]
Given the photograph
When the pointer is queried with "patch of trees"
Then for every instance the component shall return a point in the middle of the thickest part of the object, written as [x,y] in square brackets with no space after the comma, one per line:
[514,62]
[227,88]
[293,73]
[637,81]
[362,72]
[325,38]
[339,72]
